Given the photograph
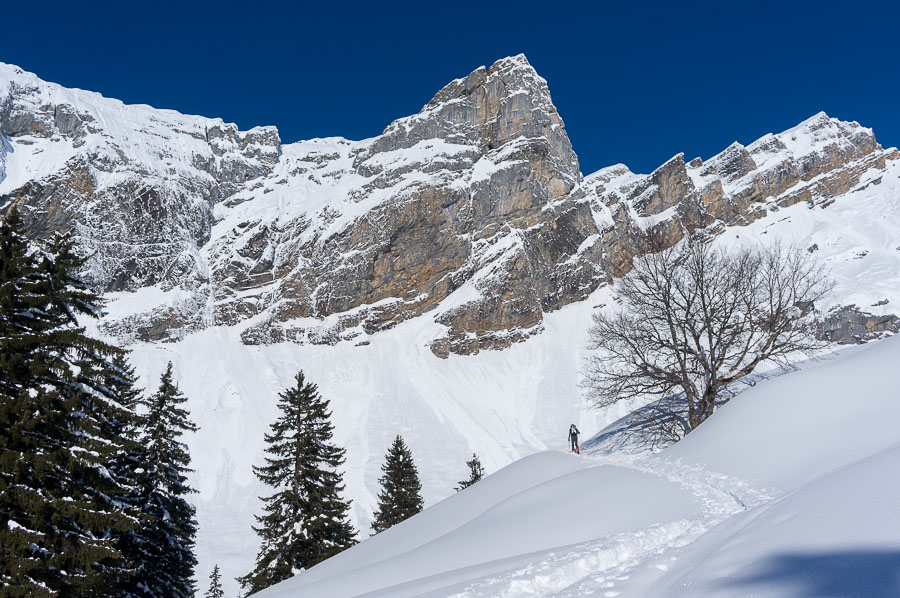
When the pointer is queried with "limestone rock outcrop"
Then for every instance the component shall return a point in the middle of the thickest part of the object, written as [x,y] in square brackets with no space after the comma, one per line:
[851,325]
[473,212]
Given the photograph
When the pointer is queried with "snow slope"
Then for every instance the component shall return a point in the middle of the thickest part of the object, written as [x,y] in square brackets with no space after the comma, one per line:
[504,405]
[804,505]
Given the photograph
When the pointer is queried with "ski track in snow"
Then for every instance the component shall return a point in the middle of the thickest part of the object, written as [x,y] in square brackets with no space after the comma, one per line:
[601,567]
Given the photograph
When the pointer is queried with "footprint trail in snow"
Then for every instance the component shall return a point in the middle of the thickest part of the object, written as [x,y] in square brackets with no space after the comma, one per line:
[601,567]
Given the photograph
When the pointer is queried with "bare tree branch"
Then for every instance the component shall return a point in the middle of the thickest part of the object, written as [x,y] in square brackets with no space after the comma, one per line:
[694,320]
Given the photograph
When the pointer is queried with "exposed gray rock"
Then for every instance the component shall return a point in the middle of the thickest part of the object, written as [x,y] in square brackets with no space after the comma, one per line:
[474,210]
[849,325]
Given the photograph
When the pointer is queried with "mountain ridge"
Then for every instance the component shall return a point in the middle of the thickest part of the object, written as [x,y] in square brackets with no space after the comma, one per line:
[473,210]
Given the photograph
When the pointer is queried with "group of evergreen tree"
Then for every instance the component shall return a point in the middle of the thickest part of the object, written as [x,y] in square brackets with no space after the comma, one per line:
[305,520]
[93,474]
[91,494]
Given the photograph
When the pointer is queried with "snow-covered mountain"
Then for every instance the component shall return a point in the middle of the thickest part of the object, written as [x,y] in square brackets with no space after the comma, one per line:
[401,272]
[474,210]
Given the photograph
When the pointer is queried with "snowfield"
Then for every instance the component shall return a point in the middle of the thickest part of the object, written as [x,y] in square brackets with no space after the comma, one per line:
[789,490]
[506,405]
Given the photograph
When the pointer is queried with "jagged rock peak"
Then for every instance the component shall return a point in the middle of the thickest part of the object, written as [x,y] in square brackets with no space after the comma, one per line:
[813,162]
[472,211]
[489,108]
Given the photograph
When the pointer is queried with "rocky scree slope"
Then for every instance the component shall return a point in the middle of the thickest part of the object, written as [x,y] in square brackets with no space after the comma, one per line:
[473,211]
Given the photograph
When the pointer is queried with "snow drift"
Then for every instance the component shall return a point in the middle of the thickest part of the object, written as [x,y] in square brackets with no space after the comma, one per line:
[789,490]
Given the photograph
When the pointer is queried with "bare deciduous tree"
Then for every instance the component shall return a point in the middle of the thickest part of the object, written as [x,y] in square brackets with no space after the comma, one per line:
[694,320]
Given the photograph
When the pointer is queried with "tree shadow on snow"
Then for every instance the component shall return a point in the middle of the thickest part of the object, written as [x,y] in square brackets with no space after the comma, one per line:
[845,574]
[647,429]
[660,423]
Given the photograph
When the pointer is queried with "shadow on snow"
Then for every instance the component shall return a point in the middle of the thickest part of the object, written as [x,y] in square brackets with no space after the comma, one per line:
[850,573]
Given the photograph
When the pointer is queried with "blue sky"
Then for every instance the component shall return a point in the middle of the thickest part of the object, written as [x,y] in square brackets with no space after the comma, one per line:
[634,82]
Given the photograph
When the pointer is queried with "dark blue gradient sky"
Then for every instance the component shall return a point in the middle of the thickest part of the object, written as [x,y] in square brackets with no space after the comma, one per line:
[634,82]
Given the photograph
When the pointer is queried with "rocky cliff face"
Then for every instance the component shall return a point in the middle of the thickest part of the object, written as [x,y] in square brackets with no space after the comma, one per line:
[814,162]
[473,211]
[450,203]
[137,184]
[850,325]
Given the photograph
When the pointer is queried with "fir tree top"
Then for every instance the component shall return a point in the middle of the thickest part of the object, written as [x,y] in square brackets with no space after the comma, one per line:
[400,496]
[475,473]
[166,422]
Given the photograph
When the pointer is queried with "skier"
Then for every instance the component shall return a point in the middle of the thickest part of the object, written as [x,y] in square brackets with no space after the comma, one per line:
[573,439]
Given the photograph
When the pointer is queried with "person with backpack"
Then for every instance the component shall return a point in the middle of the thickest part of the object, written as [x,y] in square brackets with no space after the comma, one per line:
[573,439]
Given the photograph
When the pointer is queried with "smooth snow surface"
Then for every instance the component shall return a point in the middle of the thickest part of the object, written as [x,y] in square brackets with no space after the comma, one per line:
[789,490]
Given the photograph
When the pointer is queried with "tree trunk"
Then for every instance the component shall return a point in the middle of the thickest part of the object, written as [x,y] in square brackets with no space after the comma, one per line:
[705,407]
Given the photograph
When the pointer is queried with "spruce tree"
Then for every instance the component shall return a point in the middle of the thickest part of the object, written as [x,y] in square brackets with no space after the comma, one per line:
[22,321]
[400,496]
[305,520]
[475,473]
[59,423]
[129,467]
[215,585]
[163,545]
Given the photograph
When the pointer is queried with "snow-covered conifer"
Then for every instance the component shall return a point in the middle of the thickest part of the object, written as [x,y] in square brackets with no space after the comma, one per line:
[165,541]
[59,428]
[215,585]
[400,496]
[476,472]
[305,520]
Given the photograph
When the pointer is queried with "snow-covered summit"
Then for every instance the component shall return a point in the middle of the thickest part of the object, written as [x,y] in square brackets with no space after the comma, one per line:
[136,183]
[108,131]
[472,211]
